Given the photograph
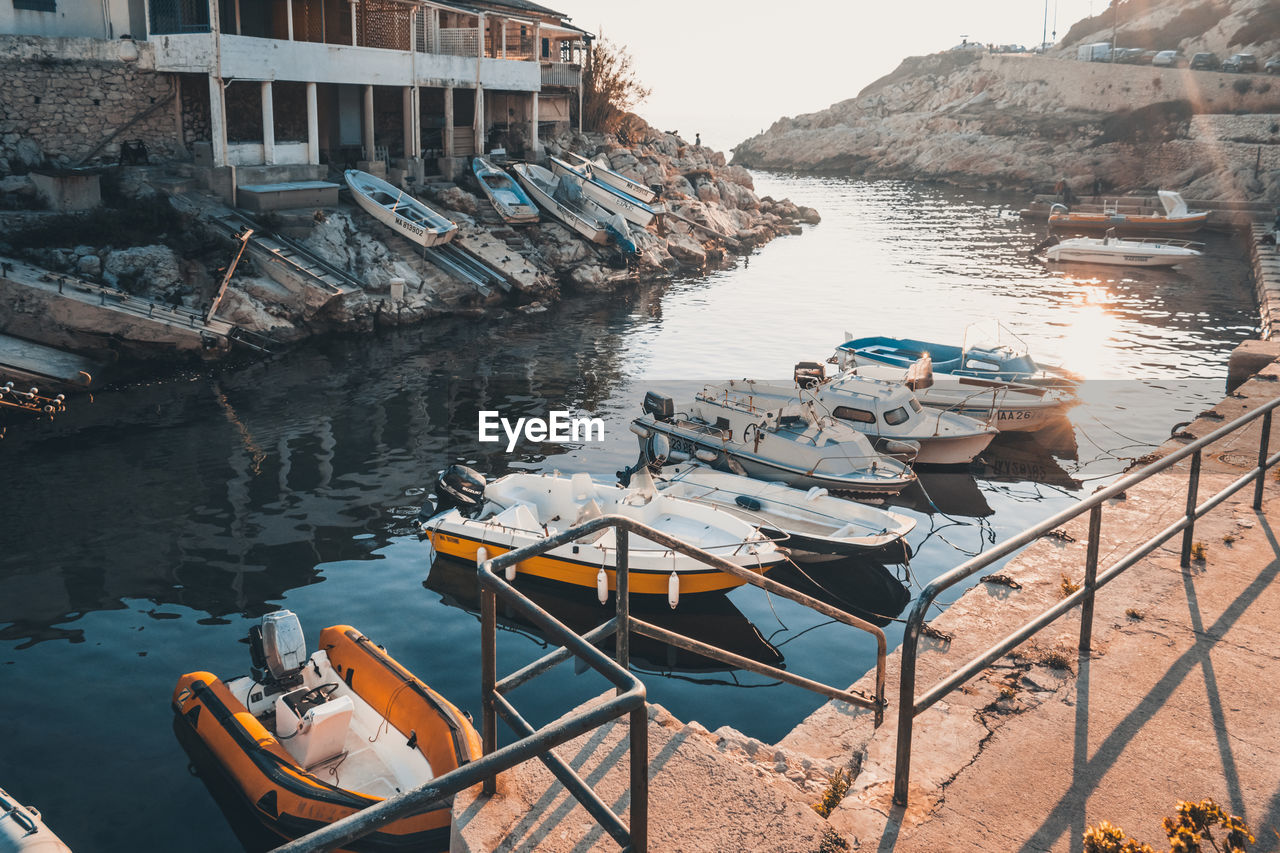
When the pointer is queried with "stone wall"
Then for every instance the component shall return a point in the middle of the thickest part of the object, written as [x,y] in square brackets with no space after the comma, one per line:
[62,97]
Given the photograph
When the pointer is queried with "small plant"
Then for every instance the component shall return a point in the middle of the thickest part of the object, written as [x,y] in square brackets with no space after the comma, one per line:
[1056,659]
[837,786]
[1007,692]
[1193,825]
[1198,551]
[1229,539]
[1068,586]
[1135,614]
[832,842]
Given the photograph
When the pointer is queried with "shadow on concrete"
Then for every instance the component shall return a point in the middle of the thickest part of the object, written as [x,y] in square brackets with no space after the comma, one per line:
[1089,773]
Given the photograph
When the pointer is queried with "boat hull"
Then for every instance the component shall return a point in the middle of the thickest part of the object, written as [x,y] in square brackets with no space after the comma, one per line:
[1126,258]
[628,207]
[565,566]
[510,201]
[616,180]
[1123,224]
[593,232]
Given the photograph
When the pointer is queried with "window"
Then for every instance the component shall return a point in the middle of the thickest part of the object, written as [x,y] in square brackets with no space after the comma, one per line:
[915,404]
[896,416]
[36,5]
[861,416]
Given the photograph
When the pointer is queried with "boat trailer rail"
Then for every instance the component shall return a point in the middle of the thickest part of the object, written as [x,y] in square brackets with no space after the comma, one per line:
[910,706]
[629,700]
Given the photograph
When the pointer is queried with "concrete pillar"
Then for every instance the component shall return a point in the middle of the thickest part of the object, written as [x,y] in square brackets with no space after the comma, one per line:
[218,121]
[313,126]
[448,121]
[535,143]
[406,100]
[368,124]
[478,125]
[435,30]
[268,125]
[504,38]
[354,26]
[237,17]
[288,17]
[417,121]
[537,42]
[479,42]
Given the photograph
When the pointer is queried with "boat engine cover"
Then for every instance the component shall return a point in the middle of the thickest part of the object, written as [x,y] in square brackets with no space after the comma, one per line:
[462,488]
[283,645]
[662,407]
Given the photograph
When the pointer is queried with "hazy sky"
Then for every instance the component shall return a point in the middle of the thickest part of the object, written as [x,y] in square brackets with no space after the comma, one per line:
[729,69]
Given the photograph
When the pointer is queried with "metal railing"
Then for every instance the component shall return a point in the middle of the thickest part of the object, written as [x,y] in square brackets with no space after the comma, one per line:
[630,691]
[909,707]
[561,74]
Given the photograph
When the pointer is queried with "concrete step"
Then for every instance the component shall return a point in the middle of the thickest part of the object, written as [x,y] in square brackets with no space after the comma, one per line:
[707,791]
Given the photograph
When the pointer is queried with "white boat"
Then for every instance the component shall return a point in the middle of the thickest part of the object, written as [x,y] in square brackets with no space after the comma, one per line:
[602,173]
[522,509]
[22,830]
[506,196]
[887,413]
[772,438]
[629,207]
[809,523]
[400,211]
[564,200]
[1008,406]
[1123,251]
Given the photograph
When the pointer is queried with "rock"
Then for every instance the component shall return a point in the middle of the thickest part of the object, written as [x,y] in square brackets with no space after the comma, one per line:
[687,251]
[81,251]
[17,185]
[456,198]
[28,153]
[89,265]
[588,277]
[143,270]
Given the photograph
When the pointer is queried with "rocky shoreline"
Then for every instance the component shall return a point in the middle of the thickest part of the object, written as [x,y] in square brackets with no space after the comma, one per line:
[182,259]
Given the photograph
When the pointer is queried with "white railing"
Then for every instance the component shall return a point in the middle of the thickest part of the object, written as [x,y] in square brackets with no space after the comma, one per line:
[561,74]
[459,41]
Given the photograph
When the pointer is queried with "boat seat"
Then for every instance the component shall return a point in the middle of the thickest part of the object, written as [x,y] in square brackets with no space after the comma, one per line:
[519,517]
[591,509]
[582,487]
[321,733]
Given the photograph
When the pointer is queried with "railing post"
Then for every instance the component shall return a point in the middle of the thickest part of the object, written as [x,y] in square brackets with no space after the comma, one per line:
[639,726]
[1090,579]
[488,675]
[1263,443]
[1193,488]
[622,635]
[907,702]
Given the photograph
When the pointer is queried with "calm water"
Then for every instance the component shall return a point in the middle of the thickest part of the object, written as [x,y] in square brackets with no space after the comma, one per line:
[143,532]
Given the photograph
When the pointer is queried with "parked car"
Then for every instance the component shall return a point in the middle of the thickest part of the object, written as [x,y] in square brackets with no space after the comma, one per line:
[1205,62]
[1273,65]
[1241,63]
[1166,59]
[1128,55]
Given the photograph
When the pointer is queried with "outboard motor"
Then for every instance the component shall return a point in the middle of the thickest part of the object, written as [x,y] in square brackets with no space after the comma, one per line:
[662,407]
[278,650]
[459,487]
[809,374]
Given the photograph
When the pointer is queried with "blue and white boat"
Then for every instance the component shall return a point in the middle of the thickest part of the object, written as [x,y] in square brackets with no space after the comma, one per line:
[628,206]
[1004,358]
[617,180]
[512,203]
[564,200]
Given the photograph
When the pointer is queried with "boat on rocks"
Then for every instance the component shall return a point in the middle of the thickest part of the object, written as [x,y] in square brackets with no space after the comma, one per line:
[1006,405]
[772,438]
[564,200]
[812,524]
[602,173]
[522,509]
[1176,219]
[310,740]
[400,211]
[1119,251]
[510,201]
[624,204]
[1003,357]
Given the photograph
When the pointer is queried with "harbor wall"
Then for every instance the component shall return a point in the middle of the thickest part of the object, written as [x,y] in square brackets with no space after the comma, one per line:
[63,97]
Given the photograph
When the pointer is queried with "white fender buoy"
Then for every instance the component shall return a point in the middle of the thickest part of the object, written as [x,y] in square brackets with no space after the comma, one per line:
[602,586]
[673,590]
[482,554]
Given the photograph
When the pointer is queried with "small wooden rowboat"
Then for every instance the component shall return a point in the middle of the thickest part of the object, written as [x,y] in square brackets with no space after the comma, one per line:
[310,740]
[1176,219]
[400,211]
[618,181]
[506,196]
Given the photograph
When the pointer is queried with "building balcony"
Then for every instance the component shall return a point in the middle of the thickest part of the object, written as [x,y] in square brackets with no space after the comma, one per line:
[561,74]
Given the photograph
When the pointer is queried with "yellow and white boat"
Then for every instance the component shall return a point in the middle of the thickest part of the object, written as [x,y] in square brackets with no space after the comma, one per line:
[521,509]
